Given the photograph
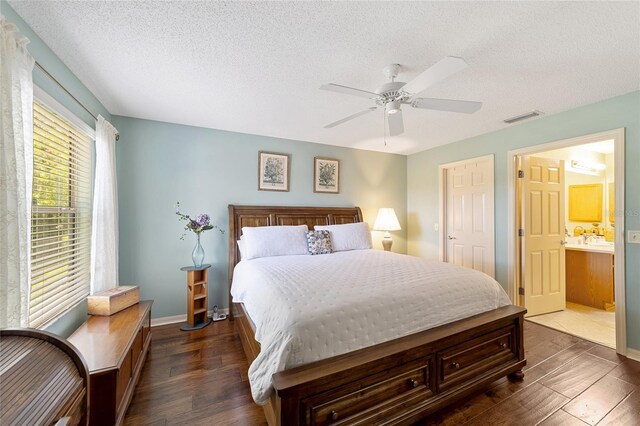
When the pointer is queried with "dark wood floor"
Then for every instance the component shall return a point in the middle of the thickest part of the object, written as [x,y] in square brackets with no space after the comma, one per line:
[200,377]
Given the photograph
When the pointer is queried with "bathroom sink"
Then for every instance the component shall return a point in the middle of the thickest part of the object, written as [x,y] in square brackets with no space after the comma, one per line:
[598,246]
[574,240]
[601,244]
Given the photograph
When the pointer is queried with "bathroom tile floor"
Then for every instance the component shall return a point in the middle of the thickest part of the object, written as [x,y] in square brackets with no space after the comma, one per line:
[586,322]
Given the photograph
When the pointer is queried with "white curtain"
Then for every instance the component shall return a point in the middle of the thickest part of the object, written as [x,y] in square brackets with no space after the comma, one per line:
[104,233]
[16,175]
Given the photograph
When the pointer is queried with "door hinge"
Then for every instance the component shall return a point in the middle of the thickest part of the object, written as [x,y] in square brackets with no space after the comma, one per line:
[520,232]
[521,291]
[521,174]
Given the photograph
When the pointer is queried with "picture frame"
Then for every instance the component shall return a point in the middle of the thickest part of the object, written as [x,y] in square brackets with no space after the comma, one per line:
[273,171]
[326,175]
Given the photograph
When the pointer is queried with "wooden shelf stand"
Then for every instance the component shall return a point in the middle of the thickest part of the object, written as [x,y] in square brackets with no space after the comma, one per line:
[197,297]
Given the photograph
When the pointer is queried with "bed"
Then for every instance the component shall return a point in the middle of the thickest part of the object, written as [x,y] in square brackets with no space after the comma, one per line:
[397,381]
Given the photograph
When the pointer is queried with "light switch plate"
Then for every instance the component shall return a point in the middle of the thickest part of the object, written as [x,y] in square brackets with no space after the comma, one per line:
[633,237]
[436,226]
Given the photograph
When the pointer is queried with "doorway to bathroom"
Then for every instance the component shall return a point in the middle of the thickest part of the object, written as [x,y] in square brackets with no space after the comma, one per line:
[568,241]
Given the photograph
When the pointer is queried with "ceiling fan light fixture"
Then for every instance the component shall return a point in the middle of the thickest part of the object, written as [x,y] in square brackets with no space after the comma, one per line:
[392,107]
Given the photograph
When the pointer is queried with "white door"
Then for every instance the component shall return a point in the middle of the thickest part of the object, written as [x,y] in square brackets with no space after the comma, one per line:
[469,215]
[543,251]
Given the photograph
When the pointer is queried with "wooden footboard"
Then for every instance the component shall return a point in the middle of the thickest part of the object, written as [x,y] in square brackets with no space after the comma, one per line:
[397,382]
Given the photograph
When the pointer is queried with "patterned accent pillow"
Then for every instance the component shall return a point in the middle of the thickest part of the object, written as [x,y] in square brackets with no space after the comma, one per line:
[319,242]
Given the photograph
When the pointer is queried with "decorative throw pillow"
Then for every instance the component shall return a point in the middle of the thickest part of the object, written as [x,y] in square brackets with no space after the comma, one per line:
[319,242]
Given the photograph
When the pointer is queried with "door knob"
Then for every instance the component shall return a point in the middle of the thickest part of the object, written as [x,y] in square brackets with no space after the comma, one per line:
[563,242]
[450,237]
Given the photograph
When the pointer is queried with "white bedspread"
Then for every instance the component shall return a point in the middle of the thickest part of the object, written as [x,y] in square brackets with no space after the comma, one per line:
[307,308]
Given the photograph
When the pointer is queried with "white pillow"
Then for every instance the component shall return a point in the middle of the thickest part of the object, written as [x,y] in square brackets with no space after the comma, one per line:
[350,236]
[241,247]
[266,241]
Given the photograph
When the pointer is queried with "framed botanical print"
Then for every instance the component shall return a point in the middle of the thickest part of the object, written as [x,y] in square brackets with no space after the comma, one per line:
[326,175]
[273,171]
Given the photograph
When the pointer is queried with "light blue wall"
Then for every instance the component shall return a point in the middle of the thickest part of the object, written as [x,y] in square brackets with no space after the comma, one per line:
[45,56]
[161,163]
[422,182]
[67,323]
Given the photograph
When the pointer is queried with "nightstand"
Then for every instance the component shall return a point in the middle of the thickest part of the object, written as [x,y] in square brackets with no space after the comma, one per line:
[197,297]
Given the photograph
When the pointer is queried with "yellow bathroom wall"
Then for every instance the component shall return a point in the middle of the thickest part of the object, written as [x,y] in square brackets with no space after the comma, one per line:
[609,178]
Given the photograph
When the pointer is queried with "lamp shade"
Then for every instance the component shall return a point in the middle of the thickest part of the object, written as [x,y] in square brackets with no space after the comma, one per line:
[386,220]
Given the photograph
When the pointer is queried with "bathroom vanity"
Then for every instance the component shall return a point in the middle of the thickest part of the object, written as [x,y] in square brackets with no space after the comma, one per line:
[590,275]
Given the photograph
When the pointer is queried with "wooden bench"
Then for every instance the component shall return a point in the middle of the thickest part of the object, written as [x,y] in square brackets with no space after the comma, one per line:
[114,348]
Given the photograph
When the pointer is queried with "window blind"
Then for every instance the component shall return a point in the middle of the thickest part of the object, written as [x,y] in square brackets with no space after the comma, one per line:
[61,216]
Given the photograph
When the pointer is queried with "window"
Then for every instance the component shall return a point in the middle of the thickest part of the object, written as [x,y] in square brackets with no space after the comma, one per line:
[61,216]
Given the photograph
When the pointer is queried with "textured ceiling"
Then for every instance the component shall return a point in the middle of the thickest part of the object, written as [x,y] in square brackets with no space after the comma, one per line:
[255,67]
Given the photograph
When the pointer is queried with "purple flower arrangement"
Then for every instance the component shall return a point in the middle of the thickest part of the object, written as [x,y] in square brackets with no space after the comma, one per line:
[201,223]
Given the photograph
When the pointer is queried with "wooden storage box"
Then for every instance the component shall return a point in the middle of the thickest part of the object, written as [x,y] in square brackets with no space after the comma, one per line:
[109,302]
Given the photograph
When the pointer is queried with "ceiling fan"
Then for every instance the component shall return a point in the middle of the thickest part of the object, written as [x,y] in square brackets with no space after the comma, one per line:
[391,96]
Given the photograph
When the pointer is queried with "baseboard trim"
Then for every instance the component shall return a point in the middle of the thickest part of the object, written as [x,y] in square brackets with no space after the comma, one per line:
[155,322]
[633,354]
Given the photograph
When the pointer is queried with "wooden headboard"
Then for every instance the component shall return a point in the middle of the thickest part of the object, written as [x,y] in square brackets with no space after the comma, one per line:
[240,216]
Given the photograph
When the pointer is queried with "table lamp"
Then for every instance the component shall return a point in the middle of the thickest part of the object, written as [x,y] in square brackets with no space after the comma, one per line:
[386,221]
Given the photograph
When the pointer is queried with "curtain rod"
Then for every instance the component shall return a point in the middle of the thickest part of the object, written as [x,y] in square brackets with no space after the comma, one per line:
[48,74]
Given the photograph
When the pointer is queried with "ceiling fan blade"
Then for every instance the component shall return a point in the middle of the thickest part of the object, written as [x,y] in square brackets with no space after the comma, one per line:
[452,105]
[351,117]
[396,124]
[442,69]
[348,90]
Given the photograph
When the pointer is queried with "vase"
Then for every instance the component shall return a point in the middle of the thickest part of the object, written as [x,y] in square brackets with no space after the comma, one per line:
[198,254]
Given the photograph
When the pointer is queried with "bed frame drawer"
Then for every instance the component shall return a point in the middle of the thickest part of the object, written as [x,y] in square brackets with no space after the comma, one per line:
[462,362]
[376,394]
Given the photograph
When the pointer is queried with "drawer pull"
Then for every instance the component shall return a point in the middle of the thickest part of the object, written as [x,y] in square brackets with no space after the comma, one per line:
[455,365]
[503,345]
[414,383]
[334,415]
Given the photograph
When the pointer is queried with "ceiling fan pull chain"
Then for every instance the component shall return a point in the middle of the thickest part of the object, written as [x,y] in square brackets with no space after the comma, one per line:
[384,128]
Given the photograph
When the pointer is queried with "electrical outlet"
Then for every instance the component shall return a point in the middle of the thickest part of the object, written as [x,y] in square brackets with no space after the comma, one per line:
[436,226]
[633,237]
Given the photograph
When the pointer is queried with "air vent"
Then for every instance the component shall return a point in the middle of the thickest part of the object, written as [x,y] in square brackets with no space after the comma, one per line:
[523,117]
